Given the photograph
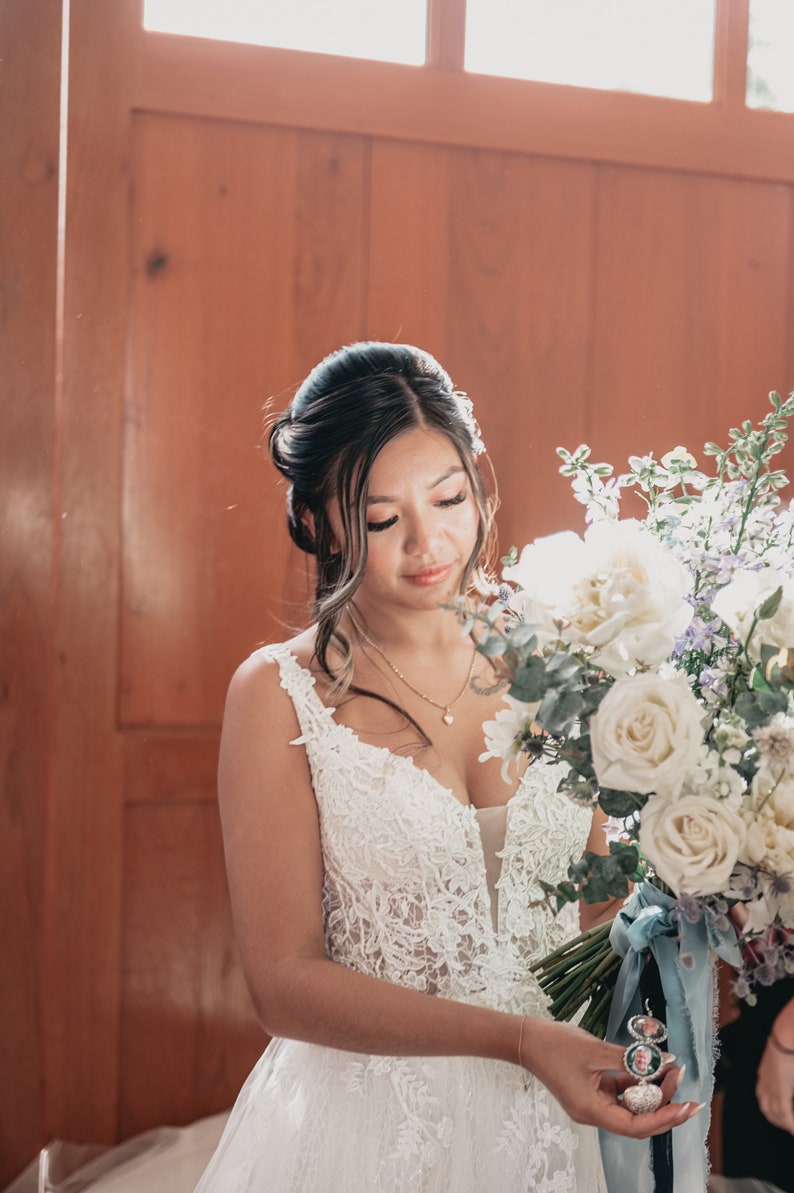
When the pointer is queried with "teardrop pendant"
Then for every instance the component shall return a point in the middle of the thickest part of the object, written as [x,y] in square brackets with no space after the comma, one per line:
[448,718]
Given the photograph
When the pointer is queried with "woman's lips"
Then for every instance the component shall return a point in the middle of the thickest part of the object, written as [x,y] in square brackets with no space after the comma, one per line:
[428,576]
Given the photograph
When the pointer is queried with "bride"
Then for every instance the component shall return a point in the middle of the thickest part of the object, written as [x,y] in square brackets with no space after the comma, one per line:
[384,881]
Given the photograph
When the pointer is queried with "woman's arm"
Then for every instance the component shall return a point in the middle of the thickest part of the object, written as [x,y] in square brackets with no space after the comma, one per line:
[775,1083]
[592,914]
[274,863]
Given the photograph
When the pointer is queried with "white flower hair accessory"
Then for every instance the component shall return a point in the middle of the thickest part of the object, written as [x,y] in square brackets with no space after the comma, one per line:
[466,410]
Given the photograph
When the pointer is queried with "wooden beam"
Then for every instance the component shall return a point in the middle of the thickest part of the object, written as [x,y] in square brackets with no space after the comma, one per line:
[29,106]
[316,91]
[731,37]
[80,1005]
[446,34]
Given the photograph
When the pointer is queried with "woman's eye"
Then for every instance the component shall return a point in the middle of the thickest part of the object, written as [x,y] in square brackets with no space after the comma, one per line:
[457,500]
[376,526]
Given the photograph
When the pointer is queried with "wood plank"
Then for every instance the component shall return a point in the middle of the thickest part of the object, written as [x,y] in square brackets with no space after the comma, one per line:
[247,249]
[80,990]
[324,92]
[170,767]
[29,116]
[691,321]
[189,1033]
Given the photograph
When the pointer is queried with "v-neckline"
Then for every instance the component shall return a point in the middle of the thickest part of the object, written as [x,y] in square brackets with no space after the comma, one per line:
[403,760]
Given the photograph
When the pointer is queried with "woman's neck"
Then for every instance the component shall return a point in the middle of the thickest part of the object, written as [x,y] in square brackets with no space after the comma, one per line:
[429,630]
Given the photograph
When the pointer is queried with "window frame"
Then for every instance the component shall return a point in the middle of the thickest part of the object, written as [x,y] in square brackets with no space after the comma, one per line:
[440,103]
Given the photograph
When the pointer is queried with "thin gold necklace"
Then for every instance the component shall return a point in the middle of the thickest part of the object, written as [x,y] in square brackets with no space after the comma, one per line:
[447,717]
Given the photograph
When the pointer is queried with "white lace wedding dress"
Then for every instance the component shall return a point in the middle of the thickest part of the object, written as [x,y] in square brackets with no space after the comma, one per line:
[407,899]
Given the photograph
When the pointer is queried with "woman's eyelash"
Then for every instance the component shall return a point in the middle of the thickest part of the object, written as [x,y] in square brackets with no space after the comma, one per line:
[375,527]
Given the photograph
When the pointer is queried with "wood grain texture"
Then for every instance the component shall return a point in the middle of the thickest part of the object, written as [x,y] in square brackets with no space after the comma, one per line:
[189,1034]
[692,318]
[165,767]
[485,259]
[29,102]
[237,289]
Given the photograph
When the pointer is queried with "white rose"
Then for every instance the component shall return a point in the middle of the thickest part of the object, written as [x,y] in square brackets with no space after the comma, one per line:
[646,734]
[693,842]
[738,601]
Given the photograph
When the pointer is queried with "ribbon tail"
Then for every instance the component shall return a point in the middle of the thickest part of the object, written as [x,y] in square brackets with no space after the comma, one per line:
[649,927]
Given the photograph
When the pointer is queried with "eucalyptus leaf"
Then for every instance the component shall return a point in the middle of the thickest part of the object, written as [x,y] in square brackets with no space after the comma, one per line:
[620,803]
[771,605]
[529,682]
[756,708]
[493,647]
[559,710]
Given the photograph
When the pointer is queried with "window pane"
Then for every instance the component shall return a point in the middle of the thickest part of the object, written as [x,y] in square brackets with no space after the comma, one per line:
[657,47]
[390,30]
[770,56]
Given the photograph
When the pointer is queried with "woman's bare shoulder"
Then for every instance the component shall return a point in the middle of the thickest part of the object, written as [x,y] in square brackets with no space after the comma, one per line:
[258,676]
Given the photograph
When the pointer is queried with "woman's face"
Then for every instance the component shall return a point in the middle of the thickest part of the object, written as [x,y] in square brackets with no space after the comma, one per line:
[421,523]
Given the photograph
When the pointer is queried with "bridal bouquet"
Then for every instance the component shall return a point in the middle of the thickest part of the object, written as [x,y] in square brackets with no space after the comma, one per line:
[654,659]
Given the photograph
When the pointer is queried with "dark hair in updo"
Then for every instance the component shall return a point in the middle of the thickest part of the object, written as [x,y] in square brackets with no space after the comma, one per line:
[351,405]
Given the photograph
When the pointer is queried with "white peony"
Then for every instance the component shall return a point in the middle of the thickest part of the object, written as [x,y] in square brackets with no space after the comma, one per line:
[546,572]
[619,593]
[693,842]
[738,601]
[646,734]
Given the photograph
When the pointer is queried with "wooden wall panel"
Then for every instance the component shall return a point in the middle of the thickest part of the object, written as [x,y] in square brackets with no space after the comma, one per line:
[692,317]
[188,1031]
[486,260]
[29,119]
[247,250]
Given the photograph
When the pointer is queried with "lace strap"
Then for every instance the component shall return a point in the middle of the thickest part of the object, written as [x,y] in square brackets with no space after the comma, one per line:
[314,717]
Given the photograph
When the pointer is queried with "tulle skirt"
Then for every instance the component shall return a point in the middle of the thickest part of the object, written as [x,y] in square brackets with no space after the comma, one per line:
[312,1119]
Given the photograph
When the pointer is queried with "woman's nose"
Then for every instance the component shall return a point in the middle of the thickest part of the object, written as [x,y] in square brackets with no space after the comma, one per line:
[420,537]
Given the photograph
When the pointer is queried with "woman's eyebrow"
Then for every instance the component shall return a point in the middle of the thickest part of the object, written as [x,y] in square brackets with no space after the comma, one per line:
[373,499]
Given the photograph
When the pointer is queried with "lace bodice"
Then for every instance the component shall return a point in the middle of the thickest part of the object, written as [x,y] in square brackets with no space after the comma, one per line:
[406,897]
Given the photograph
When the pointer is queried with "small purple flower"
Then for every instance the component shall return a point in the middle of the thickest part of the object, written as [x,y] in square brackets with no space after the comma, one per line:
[766,974]
[741,987]
[691,909]
[780,884]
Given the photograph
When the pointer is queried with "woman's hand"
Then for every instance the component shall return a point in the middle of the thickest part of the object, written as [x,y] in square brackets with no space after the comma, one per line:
[775,1083]
[586,1076]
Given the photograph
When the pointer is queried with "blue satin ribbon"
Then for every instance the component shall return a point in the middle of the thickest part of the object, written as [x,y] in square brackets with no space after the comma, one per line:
[650,922]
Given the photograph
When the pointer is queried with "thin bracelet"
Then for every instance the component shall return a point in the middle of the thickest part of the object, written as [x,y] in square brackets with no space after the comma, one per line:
[520,1042]
[772,1036]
